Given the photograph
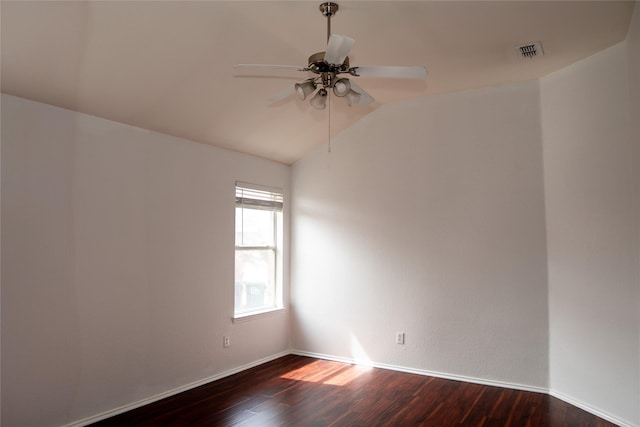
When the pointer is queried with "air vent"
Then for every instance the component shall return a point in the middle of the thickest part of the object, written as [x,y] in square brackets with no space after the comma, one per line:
[530,50]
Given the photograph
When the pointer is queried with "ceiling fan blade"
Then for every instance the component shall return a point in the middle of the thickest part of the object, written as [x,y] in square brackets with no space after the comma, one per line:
[338,48]
[283,94]
[365,98]
[393,72]
[267,70]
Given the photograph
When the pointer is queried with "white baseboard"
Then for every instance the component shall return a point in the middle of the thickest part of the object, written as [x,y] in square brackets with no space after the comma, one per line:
[481,381]
[146,401]
[592,410]
[442,375]
[595,411]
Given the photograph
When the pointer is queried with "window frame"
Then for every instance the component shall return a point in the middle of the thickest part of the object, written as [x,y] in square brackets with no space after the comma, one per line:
[277,207]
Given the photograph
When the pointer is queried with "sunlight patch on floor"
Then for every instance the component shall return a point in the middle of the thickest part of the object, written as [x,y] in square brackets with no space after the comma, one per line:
[327,372]
[347,376]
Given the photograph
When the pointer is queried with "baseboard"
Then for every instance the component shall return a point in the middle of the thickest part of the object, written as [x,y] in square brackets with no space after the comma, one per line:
[595,411]
[169,393]
[473,380]
[592,410]
[585,407]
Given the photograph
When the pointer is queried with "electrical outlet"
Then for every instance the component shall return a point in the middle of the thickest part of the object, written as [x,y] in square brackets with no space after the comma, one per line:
[226,342]
[399,337]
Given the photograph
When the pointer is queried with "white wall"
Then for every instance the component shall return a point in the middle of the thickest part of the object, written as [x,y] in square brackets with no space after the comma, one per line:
[428,218]
[633,52]
[117,253]
[592,234]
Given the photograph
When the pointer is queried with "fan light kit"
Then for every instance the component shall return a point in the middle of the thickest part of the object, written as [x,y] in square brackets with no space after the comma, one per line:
[330,67]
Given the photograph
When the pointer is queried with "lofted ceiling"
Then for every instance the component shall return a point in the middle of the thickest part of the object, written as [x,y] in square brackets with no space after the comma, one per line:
[167,65]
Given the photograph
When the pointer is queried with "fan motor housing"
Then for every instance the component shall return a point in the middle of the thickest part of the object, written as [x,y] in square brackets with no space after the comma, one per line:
[318,65]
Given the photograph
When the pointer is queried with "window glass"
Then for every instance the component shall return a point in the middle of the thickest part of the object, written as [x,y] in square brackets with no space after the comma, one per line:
[254,227]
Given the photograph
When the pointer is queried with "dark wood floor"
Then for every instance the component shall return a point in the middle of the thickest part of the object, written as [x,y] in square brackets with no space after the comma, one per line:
[302,391]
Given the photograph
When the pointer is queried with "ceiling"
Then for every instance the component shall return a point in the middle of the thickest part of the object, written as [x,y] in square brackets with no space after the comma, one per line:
[167,65]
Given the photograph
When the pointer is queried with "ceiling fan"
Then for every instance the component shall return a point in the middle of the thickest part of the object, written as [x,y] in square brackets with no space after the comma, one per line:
[330,67]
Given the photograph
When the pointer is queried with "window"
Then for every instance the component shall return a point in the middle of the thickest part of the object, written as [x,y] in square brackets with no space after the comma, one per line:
[259,237]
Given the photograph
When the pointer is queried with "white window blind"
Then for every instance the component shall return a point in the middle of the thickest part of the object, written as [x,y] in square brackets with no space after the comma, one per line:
[258,199]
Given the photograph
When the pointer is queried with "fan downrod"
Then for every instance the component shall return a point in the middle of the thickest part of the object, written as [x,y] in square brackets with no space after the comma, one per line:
[317,64]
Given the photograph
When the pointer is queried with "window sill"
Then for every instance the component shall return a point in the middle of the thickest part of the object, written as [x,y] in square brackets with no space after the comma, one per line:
[255,315]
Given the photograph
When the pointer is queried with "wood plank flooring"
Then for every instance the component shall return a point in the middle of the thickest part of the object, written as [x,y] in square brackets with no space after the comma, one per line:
[303,391]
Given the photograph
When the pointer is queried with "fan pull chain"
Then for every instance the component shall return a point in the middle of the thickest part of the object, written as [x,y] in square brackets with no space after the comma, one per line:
[329,136]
